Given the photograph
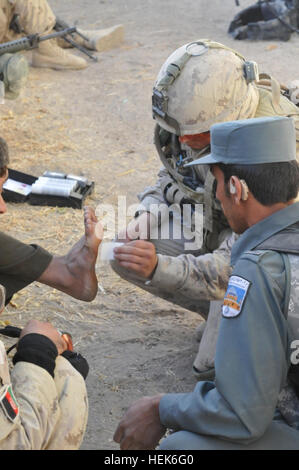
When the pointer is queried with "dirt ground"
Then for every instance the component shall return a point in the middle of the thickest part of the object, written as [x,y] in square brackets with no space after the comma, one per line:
[97,122]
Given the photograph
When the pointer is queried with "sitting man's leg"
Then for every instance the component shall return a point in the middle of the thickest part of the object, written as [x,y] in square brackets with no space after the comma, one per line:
[73,403]
[279,436]
[36,16]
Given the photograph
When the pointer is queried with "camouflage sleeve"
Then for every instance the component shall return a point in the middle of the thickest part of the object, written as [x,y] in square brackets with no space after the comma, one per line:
[153,194]
[28,405]
[45,414]
[199,277]
[38,411]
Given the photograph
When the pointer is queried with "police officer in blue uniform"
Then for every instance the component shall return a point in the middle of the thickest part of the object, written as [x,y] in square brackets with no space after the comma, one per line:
[253,402]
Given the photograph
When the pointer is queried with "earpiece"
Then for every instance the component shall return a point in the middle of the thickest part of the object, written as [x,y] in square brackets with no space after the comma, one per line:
[245,190]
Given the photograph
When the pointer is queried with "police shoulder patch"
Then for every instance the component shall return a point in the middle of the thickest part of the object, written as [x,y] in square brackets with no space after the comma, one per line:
[235,296]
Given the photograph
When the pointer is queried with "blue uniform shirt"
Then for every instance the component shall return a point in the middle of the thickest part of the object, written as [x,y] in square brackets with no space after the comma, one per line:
[251,360]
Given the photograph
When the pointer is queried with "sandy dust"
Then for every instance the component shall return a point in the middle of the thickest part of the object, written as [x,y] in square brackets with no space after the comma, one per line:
[97,123]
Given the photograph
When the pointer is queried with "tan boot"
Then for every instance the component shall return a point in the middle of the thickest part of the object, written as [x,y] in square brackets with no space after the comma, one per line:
[103,39]
[50,55]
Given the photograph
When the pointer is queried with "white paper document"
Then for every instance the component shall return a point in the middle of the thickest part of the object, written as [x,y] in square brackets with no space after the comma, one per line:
[107,250]
[17,187]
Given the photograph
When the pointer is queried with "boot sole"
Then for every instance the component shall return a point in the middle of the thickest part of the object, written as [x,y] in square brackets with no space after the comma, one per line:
[40,62]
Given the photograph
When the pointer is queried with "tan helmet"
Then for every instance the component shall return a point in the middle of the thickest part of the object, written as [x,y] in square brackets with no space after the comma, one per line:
[14,71]
[203,83]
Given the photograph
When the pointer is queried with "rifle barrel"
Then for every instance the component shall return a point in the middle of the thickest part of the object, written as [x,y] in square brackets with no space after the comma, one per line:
[60,24]
[82,49]
[31,41]
[57,34]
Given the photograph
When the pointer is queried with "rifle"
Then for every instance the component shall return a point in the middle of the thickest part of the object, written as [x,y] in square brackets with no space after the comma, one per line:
[32,41]
[61,26]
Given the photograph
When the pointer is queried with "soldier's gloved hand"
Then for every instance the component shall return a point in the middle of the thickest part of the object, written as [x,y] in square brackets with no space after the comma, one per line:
[138,228]
[139,256]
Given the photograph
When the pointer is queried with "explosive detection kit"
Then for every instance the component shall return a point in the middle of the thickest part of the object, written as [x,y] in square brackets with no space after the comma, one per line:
[50,189]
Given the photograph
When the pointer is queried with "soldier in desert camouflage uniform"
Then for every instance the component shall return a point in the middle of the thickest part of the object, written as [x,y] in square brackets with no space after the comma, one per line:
[43,400]
[36,16]
[200,84]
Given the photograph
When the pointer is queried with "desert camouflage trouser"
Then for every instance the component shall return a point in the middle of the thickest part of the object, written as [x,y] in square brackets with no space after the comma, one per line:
[52,413]
[35,16]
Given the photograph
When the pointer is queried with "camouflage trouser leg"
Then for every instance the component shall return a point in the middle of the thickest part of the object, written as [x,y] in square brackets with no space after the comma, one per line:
[6,13]
[73,403]
[36,16]
[204,360]
[52,413]
[169,248]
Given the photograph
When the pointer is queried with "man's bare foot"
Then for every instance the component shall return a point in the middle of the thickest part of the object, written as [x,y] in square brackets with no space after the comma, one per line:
[81,259]
[74,273]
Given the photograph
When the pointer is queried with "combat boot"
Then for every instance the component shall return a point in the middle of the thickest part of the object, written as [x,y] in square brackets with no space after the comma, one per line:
[50,55]
[103,39]
[98,40]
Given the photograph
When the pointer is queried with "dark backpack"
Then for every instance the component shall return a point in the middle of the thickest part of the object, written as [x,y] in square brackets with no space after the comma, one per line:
[267,19]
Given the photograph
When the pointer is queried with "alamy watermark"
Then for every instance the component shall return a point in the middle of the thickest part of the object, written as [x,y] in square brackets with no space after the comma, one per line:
[159,222]
[295,354]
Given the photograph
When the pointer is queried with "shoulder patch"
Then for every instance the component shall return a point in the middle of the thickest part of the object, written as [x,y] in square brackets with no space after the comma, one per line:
[8,403]
[234,297]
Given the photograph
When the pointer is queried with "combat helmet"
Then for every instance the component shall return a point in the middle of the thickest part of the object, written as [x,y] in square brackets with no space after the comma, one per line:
[203,83]
[14,71]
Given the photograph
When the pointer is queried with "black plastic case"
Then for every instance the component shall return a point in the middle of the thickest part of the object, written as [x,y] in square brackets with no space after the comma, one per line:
[75,200]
